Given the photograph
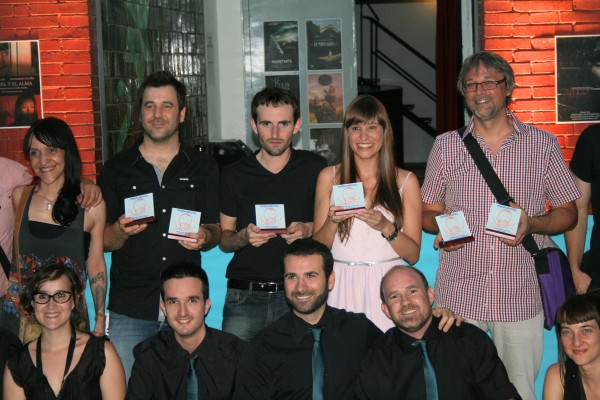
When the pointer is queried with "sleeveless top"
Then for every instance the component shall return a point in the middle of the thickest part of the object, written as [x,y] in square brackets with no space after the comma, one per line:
[38,246]
[82,383]
[573,384]
[364,244]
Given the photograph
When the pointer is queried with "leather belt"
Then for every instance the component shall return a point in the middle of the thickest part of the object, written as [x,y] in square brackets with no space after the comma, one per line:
[253,286]
[367,263]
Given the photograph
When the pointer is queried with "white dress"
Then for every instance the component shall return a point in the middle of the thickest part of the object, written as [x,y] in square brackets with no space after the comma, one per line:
[359,265]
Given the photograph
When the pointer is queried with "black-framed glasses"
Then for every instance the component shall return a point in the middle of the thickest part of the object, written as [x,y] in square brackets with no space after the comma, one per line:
[58,297]
[487,85]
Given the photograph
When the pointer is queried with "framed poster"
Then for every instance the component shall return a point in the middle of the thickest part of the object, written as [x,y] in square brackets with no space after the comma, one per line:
[325,98]
[324,43]
[326,142]
[289,82]
[577,79]
[281,45]
[20,88]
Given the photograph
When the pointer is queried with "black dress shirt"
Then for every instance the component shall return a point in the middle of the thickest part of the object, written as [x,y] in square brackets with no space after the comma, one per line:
[277,364]
[465,359]
[161,367]
[190,182]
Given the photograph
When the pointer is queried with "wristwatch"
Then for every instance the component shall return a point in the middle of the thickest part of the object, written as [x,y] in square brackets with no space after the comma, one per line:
[393,235]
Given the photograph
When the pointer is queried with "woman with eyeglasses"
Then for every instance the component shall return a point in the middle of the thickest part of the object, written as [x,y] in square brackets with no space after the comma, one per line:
[54,227]
[64,362]
[576,376]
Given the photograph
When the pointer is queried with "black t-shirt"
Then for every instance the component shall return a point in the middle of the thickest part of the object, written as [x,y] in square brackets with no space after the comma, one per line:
[585,164]
[190,182]
[247,183]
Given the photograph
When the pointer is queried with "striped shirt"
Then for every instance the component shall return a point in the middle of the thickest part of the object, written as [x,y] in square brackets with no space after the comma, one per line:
[488,280]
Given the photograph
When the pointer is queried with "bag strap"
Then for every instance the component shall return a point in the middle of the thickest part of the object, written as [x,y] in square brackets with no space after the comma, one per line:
[494,182]
[5,263]
[18,217]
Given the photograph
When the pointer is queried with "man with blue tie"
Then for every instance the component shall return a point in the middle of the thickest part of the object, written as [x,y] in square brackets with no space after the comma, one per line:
[314,351]
[190,361]
[415,360]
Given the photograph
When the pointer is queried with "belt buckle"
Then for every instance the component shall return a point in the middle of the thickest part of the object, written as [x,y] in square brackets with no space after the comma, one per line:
[271,287]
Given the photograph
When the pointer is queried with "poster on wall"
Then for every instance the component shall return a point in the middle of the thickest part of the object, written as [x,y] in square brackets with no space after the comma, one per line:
[325,97]
[289,82]
[281,45]
[326,142]
[324,42]
[578,79]
[20,88]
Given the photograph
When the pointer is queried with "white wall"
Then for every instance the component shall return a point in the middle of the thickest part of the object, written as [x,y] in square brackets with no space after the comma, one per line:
[225,74]
[415,23]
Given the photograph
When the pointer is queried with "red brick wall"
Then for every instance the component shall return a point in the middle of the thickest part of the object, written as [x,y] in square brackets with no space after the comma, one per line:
[65,30]
[522,31]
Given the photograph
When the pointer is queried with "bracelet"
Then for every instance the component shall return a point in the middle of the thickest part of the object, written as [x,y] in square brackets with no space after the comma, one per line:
[393,235]
[100,314]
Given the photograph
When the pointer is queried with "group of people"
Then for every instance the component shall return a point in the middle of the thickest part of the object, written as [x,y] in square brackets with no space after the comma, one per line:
[306,306]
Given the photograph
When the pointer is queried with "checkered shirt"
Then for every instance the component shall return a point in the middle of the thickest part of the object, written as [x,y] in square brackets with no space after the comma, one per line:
[488,280]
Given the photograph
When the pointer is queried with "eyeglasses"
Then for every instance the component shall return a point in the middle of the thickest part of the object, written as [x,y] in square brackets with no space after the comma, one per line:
[58,297]
[487,85]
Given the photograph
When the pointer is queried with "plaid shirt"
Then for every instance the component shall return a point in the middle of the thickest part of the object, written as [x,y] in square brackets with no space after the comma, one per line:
[488,280]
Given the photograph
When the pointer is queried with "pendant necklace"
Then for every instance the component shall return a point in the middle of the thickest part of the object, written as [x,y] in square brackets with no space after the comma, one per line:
[48,205]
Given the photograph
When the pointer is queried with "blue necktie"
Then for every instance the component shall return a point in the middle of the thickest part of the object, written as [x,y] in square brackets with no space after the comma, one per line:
[430,383]
[192,383]
[318,365]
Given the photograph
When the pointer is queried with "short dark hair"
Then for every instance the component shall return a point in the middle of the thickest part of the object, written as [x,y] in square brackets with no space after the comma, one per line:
[184,269]
[52,272]
[275,97]
[396,268]
[160,79]
[309,247]
[577,309]
[490,61]
[54,132]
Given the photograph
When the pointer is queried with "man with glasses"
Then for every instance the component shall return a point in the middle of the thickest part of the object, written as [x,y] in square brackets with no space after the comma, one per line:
[492,281]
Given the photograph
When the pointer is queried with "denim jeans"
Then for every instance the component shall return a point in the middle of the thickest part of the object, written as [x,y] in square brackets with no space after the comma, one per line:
[246,313]
[125,332]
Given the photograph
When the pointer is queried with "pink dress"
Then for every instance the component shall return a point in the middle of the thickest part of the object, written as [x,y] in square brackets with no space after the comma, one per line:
[359,265]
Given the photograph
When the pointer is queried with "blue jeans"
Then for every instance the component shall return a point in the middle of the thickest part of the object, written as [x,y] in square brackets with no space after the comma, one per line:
[125,332]
[245,314]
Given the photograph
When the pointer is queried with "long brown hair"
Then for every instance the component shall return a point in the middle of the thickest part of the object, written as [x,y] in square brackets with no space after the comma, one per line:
[366,109]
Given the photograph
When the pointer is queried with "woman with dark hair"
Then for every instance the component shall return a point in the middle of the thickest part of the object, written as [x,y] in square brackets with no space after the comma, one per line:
[366,243]
[53,227]
[25,110]
[64,362]
[576,376]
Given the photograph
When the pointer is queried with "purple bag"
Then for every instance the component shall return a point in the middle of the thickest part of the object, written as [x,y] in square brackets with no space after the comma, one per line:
[555,279]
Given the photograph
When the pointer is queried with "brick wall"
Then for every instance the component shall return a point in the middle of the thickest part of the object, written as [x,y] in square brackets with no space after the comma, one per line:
[68,70]
[522,31]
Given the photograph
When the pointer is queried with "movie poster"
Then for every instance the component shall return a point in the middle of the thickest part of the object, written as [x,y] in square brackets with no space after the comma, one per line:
[289,82]
[326,142]
[577,79]
[324,42]
[20,88]
[281,45]
[325,97]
